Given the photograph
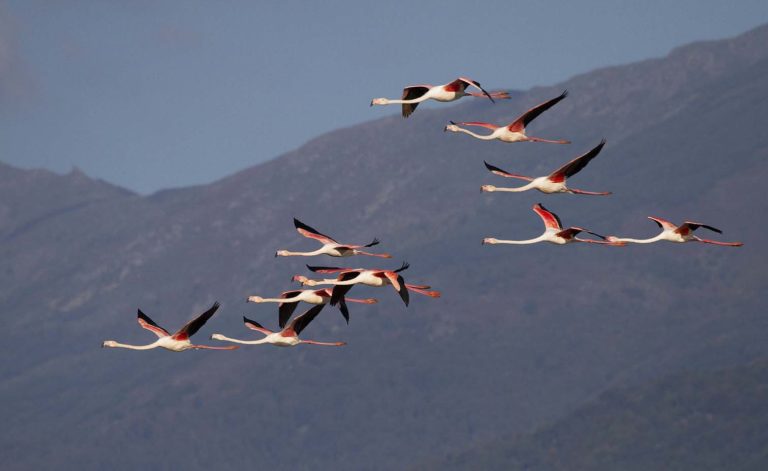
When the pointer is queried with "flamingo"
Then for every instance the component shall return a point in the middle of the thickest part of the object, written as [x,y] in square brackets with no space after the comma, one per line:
[515,131]
[672,233]
[177,342]
[555,181]
[330,246]
[288,337]
[290,299]
[554,232]
[371,277]
[415,94]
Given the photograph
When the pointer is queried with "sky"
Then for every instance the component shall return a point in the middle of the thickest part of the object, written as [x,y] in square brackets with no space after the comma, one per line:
[157,94]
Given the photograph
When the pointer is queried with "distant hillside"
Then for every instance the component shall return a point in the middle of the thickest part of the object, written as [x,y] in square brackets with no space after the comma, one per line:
[521,337]
[692,421]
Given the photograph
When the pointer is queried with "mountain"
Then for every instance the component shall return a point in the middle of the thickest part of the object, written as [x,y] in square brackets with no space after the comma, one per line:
[688,421]
[522,335]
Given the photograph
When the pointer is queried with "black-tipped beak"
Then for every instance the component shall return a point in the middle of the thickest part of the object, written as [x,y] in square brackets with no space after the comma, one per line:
[371,103]
[275,254]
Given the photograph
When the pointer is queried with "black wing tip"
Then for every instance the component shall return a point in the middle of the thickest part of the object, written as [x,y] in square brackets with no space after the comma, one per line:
[216,305]
[251,321]
[564,94]
[492,168]
[403,267]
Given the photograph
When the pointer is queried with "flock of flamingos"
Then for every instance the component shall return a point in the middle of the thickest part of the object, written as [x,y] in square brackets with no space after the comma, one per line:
[336,292]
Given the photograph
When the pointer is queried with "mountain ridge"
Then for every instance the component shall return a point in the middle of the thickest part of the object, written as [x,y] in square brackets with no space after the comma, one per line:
[524,334]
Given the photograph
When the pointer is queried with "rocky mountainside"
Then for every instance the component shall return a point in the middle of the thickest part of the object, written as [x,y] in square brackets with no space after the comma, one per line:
[521,336]
[690,421]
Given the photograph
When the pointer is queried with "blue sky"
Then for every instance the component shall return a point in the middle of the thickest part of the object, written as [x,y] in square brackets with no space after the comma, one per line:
[151,95]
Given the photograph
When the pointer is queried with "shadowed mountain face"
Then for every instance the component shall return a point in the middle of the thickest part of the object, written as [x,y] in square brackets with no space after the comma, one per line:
[698,421]
[522,335]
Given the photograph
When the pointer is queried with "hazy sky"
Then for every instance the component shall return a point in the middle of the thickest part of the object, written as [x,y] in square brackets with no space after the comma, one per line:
[152,95]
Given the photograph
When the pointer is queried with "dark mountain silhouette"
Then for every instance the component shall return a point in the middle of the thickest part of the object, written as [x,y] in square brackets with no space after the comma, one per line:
[690,421]
[521,336]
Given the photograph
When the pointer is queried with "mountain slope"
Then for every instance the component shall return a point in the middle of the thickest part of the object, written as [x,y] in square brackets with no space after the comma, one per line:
[691,421]
[520,337]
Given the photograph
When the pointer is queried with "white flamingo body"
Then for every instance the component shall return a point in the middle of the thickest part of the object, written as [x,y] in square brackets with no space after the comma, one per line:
[349,277]
[178,342]
[554,232]
[415,94]
[514,131]
[288,301]
[555,182]
[677,234]
[288,337]
[329,247]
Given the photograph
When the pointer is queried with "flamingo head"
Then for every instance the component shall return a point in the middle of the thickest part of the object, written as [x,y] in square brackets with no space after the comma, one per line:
[108,343]
[217,337]
[379,101]
[254,299]
[487,189]
[281,253]
[490,241]
[451,127]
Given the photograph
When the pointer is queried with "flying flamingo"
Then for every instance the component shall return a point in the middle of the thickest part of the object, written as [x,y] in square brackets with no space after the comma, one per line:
[288,337]
[515,131]
[177,342]
[288,301]
[555,181]
[330,246]
[679,234]
[371,277]
[415,94]
[554,232]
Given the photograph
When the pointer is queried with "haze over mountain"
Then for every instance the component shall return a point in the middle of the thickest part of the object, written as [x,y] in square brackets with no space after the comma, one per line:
[521,337]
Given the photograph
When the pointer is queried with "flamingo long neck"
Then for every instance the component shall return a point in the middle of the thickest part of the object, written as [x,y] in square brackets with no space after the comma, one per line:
[517,189]
[333,281]
[288,253]
[405,102]
[641,241]
[243,342]
[134,347]
[279,300]
[487,137]
[522,242]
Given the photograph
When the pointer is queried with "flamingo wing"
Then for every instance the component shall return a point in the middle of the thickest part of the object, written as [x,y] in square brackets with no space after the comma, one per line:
[147,323]
[574,166]
[194,325]
[398,283]
[663,223]
[551,221]
[520,123]
[300,322]
[473,83]
[253,325]
[569,233]
[312,233]
[339,291]
[695,225]
[504,173]
[284,311]
[411,93]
